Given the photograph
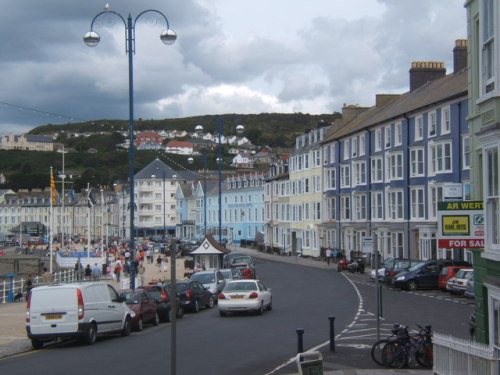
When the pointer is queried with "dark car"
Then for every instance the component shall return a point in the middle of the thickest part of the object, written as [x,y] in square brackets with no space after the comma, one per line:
[161,295]
[228,258]
[424,275]
[142,305]
[193,295]
[243,259]
[396,266]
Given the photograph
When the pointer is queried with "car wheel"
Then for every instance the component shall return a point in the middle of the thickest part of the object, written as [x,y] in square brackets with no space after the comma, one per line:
[412,285]
[140,324]
[127,327]
[180,313]
[91,335]
[270,306]
[196,306]
[260,311]
[156,319]
[210,303]
[36,344]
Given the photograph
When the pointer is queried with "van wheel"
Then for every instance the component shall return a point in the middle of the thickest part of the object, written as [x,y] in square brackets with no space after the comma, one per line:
[412,285]
[127,327]
[91,335]
[36,344]
[156,319]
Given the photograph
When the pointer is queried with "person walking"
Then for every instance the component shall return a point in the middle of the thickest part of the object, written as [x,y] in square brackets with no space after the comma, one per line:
[118,270]
[88,272]
[328,254]
[142,273]
[96,272]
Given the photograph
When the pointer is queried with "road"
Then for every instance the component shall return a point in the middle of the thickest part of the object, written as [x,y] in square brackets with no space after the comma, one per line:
[303,297]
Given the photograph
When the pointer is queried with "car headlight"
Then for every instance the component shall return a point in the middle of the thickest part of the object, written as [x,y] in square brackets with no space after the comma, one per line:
[400,278]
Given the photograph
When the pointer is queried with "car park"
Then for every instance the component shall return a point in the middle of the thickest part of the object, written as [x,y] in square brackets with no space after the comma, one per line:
[143,306]
[245,296]
[212,280]
[424,275]
[193,295]
[458,284]
[446,274]
[79,310]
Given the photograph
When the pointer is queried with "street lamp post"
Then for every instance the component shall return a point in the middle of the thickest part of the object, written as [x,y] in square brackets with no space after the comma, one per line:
[91,39]
[205,168]
[239,129]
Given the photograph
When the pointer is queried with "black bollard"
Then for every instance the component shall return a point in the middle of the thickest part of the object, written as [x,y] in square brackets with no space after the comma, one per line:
[300,341]
[332,333]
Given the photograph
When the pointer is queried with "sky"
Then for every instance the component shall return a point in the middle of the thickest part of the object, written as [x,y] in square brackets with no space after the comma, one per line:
[231,56]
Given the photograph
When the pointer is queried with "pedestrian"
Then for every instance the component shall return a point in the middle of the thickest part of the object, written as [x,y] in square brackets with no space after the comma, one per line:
[335,255]
[158,262]
[78,269]
[96,272]
[142,273]
[118,270]
[328,254]
[164,264]
[88,272]
[29,284]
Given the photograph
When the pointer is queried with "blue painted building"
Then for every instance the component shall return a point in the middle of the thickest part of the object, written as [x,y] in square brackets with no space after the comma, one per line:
[387,166]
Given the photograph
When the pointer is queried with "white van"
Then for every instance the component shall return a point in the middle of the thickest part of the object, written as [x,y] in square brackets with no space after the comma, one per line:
[82,310]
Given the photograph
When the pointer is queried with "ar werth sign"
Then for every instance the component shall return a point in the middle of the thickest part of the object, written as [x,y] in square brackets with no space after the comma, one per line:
[461,225]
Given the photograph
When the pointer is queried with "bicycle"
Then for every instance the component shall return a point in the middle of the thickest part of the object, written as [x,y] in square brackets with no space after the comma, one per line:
[399,332]
[399,354]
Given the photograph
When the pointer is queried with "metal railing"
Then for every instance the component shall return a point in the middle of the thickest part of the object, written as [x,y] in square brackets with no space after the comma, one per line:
[18,285]
[456,356]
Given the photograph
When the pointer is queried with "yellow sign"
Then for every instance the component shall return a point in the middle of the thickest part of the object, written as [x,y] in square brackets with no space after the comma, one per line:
[455,225]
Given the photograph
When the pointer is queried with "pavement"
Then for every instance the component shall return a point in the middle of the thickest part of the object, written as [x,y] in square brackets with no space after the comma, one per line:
[345,360]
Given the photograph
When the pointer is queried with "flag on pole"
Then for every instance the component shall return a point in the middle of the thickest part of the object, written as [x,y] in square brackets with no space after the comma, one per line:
[54,195]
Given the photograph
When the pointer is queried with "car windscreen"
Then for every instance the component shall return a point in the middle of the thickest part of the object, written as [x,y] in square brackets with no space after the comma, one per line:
[155,293]
[181,287]
[131,298]
[204,278]
[416,267]
[444,271]
[240,286]
[243,260]
[227,274]
[463,274]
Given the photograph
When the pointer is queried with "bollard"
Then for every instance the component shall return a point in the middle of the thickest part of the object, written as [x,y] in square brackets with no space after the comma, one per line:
[300,341]
[332,333]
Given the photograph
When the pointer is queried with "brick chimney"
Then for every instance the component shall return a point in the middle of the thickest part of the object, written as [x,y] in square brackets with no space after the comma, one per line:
[422,72]
[460,55]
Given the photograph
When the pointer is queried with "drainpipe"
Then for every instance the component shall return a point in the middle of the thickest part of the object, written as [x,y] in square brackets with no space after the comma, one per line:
[408,191]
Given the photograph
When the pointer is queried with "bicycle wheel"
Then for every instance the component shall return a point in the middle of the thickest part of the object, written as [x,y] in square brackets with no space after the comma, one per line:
[425,356]
[394,355]
[377,349]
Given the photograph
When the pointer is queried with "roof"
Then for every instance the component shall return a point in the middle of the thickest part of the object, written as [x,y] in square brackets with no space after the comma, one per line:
[160,169]
[179,144]
[452,86]
[38,138]
[209,246]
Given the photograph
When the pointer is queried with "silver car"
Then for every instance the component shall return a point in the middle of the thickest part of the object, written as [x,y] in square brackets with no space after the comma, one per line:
[211,279]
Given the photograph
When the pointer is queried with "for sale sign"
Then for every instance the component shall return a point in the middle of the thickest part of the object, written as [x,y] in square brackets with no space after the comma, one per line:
[461,224]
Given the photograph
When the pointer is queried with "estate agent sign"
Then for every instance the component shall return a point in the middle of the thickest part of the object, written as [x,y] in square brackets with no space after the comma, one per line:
[461,224]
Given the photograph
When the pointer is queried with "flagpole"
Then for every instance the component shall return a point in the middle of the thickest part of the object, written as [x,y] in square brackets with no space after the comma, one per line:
[88,221]
[50,219]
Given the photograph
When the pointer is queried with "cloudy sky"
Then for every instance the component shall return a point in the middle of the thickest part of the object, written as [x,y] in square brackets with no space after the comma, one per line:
[231,56]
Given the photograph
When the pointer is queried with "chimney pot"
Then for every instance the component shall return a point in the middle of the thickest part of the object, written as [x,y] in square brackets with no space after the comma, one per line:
[422,72]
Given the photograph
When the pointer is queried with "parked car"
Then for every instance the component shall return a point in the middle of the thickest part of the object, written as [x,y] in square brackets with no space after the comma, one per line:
[212,280]
[243,259]
[457,284]
[469,289]
[446,274]
[398,266]
[228,258]
[193,295]
[82,310]
[245,295]
[231,274]
[424,275]
[159,294]
[388,262]
[246,270]
[143,306]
